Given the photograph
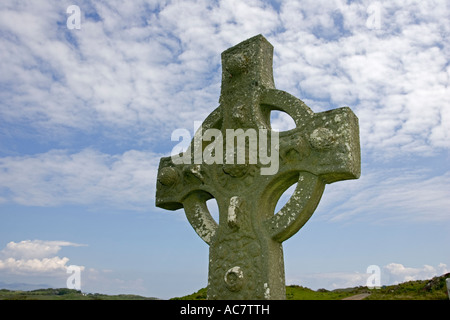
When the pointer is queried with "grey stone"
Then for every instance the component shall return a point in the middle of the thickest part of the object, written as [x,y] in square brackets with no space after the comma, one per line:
[246,255]
[448,287]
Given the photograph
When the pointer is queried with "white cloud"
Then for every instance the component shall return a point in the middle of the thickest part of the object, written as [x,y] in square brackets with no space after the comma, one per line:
[34,249]
[395,79]
[88,178]
[34,266]
[154,67]
[33,257]
[111,73]
[398,273]
[383,195]
[37,261]
[140,63]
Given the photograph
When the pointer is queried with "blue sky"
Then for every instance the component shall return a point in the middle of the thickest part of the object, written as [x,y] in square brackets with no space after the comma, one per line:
[85,116]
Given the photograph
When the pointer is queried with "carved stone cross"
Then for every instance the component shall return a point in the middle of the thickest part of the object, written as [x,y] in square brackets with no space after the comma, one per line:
[246,255]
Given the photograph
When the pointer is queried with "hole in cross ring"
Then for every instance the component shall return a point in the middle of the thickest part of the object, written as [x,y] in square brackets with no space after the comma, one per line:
[281,121]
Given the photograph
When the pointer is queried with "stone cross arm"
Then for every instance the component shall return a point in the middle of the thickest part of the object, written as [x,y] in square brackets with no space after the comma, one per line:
[323,148]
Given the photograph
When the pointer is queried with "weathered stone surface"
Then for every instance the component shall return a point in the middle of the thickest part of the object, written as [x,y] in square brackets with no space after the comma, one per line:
[246,256]
[448,287]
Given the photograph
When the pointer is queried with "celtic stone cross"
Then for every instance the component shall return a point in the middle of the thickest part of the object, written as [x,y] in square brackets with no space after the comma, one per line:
[246,255]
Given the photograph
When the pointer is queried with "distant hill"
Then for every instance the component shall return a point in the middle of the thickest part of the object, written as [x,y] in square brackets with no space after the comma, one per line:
[433,289]
[63,294]
[23,286]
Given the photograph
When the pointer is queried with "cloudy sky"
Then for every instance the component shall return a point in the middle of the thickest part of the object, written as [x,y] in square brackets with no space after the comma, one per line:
[87,108]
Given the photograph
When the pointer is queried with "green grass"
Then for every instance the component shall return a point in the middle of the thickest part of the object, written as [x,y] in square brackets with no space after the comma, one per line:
[434,289]
[292,293]
[302,293]
[199,295]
